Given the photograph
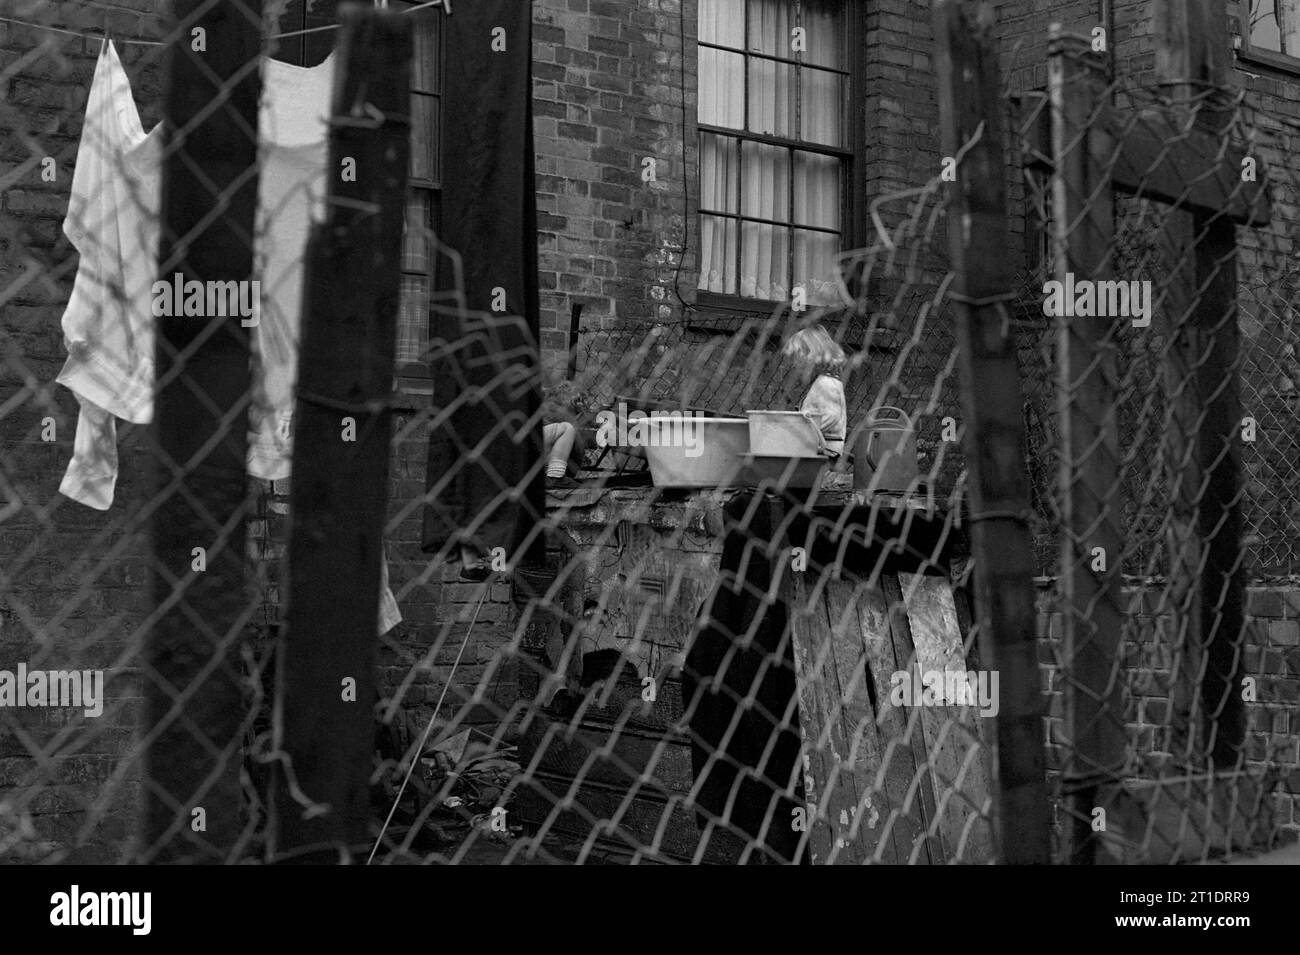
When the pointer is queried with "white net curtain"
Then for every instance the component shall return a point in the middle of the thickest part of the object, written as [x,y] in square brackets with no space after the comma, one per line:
[770,195]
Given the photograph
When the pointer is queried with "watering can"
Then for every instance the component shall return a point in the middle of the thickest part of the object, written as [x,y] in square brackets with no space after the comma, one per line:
[884,451]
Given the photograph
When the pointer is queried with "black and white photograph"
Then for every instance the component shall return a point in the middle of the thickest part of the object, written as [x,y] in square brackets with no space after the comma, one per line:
[650,432]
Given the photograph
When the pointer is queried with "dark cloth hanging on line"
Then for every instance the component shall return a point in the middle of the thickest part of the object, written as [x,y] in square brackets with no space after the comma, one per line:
[485,473]
[738,683]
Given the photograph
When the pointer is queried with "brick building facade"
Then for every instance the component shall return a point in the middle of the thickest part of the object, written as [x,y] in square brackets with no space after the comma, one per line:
[615,84]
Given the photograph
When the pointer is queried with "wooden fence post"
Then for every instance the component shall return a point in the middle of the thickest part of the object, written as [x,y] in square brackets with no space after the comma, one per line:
[193,701]
[1083,225]
[338,495]
[1188,61]
[970,96]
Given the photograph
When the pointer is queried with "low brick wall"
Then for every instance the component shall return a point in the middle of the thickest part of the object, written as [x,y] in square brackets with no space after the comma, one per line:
[1272,659]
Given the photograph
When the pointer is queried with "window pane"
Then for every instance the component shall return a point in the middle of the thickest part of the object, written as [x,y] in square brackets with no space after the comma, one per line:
[1263,25]
[719,173]
[417,248]
[764,261]
[823,24]
[424,139]
[814,265]
[435,138]
[413,319]
[723,22]
[817,190]
[721,94]
[416,234]
[765,181]
[790,202]
[1288,26]
[770,26]
[822,94]
[771,98]
[718,255]
[424,64]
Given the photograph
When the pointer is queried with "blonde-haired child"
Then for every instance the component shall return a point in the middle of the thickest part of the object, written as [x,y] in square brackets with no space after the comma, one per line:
[822,362]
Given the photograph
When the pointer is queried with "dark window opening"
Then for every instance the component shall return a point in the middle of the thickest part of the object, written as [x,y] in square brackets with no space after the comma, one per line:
[424,184]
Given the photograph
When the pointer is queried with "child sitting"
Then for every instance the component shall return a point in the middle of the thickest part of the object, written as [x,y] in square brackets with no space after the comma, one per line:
[822,362]
[562,412]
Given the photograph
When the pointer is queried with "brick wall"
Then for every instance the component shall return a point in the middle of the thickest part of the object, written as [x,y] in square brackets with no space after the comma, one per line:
[72,594]
[1268,390]
[1272,660]
[607,95]
[607,84]
[438,607]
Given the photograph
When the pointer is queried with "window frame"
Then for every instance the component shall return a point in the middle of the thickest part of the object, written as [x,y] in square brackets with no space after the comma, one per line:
[413,377]
[1260,55]
[851,155]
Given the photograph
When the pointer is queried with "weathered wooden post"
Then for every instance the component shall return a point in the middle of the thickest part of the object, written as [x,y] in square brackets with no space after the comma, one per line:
[325,707]
[1175,154]
[970,110]
[193,701]
[1191,58]
[1090,477]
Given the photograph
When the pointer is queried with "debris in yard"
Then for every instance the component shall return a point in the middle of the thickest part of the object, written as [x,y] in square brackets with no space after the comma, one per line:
[463,783]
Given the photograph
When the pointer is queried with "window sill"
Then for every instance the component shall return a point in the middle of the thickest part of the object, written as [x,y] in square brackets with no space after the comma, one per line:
[411,392]
[716,301]
[1270,59]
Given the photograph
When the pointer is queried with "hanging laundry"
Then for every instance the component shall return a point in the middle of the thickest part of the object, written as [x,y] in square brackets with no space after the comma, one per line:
[485,481]
[113,222]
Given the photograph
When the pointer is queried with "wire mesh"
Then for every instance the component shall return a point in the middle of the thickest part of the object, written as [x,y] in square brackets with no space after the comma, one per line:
[756,654]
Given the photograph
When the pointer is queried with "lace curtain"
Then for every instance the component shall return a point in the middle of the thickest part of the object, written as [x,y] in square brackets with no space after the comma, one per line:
[759,181]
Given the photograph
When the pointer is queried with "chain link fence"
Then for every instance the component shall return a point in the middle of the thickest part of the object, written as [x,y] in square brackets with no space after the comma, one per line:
[1170,571]
[708,642]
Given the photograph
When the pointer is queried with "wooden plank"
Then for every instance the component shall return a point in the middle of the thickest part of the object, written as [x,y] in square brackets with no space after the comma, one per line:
[904,798]
[954,734]
[626,708]
[862,756]
[1181,466]
[912,731]
[624,758]
[606,819]
[200,425]
[859,831]
[970,94]
[824,743]
[1166,159]
[1091,502]
[338,491]
[1222,583]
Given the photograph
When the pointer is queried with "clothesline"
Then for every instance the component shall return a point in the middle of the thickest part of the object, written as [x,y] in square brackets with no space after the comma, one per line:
[274,36]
